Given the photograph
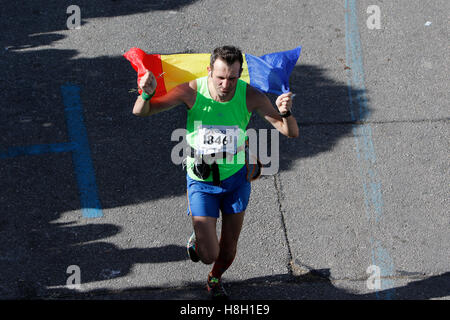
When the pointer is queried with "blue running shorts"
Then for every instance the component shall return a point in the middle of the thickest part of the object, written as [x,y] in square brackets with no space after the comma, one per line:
[206,199]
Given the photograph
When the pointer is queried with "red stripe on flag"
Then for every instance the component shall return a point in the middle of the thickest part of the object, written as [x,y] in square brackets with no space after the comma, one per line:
[141,61]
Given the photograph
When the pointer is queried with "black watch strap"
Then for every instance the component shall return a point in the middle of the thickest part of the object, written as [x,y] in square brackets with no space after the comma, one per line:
[286,114]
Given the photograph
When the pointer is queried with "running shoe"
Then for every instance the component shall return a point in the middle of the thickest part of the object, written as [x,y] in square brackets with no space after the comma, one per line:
[216,289]
[191,249]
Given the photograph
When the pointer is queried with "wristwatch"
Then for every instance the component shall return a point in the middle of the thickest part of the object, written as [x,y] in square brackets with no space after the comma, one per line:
[286,114]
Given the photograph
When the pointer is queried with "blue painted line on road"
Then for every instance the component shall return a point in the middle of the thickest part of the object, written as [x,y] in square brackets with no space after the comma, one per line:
[359,111]
[37,149]
[78,145]
[81,155]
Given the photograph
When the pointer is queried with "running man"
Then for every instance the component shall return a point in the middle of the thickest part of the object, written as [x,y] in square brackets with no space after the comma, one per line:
[219,107]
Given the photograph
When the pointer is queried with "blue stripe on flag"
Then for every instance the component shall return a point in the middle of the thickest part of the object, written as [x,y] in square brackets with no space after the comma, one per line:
[270,73]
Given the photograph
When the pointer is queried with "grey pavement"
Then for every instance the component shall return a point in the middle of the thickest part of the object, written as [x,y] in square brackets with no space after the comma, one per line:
[351,192]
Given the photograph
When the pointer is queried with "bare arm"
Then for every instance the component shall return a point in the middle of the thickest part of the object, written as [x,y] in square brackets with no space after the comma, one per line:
[184,93]
[259,102]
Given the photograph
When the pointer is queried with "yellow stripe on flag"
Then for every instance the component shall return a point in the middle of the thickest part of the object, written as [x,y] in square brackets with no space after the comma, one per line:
[181,68]
[245,76]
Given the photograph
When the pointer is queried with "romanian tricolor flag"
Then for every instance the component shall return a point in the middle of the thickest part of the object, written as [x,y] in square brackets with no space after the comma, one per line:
[268,73]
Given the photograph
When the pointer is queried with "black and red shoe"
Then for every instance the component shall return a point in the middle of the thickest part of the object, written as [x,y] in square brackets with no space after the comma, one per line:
[216,289]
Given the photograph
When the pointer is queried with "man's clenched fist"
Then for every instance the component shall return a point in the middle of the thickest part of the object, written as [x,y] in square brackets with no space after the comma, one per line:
[284,102]
[148,83]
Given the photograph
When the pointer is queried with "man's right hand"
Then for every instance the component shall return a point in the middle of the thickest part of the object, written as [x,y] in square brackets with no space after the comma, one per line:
[148,82]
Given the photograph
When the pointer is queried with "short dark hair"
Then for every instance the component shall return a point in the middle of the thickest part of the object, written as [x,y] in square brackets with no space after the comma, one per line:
[229,54]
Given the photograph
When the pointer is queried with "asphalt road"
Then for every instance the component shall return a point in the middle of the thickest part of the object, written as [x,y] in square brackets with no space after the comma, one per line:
[366,183]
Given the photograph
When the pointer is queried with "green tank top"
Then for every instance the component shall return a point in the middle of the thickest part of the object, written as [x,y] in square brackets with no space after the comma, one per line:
[214,126]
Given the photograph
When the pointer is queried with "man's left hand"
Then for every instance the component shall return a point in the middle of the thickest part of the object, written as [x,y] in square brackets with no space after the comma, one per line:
[284,102]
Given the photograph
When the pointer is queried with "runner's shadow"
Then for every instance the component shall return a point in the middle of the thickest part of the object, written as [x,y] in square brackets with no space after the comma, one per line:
[321,108]
[315,285]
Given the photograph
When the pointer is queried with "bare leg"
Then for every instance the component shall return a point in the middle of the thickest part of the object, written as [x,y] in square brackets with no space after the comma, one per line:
[231,230]
[206,238]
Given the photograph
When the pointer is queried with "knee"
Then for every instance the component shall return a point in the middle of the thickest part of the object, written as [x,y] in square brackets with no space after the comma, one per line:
[208,255]
[209,258]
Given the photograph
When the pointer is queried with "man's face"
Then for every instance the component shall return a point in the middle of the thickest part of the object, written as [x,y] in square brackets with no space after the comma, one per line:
[225,77]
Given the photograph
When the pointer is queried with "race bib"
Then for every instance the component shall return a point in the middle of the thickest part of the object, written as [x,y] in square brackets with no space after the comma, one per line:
[214,139]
